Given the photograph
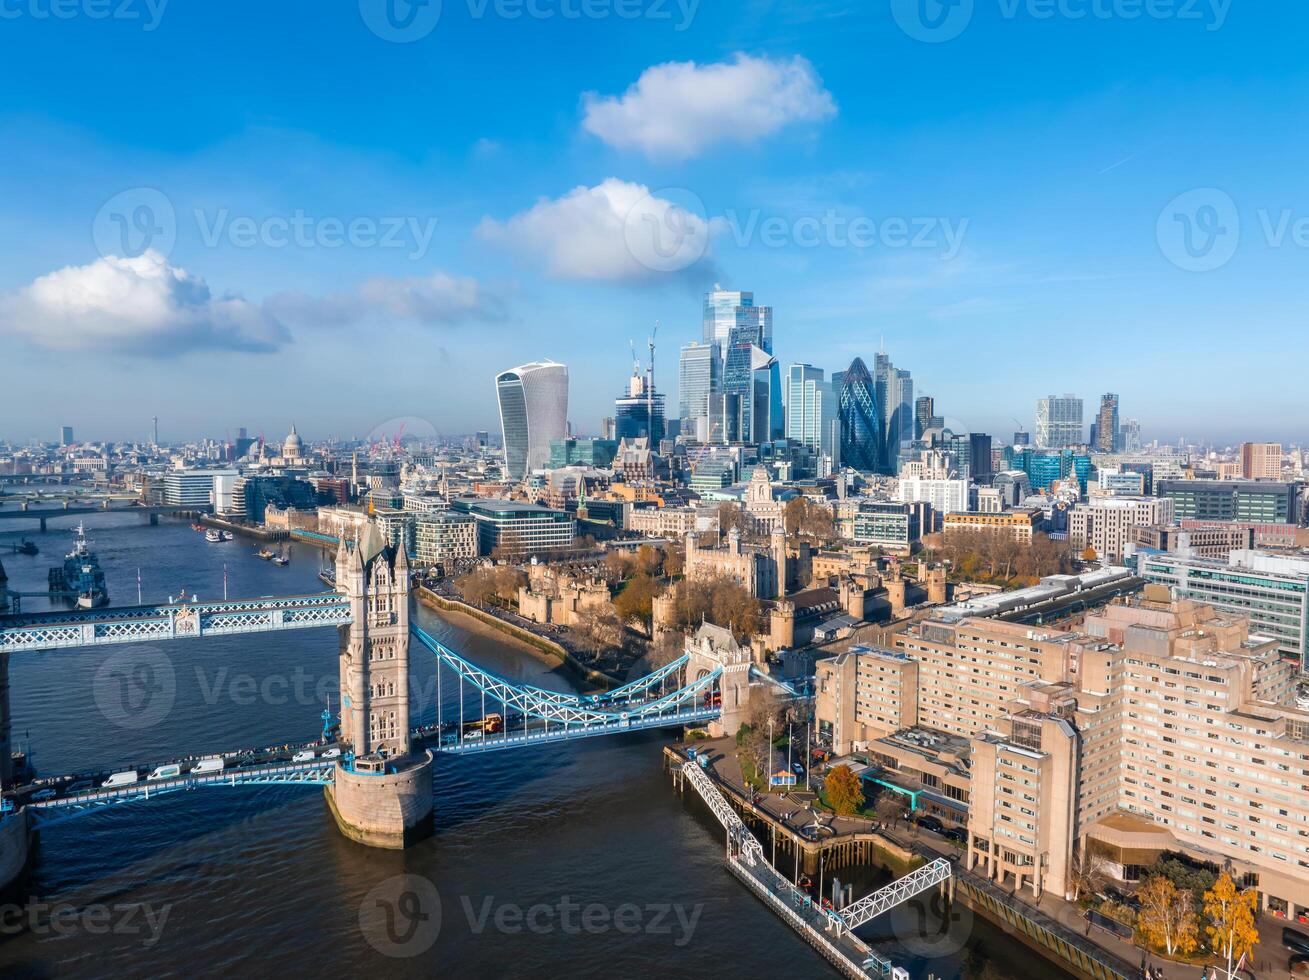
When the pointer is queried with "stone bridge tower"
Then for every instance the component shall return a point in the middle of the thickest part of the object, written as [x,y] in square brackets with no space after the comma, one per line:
[382,793]
[710,648]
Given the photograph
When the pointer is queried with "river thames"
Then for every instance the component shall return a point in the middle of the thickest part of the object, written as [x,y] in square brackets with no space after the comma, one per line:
[567,860]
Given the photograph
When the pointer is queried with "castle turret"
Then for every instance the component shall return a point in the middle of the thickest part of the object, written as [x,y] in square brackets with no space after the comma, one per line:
[781,626]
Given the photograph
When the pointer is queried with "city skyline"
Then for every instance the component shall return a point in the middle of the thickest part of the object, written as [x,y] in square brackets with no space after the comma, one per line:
[285,238]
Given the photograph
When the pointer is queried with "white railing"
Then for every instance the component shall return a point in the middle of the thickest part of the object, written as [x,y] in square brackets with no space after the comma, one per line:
[896,893]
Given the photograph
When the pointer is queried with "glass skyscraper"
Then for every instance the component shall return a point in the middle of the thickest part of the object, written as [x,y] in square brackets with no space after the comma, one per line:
[1059,422]
[895,406]
[699,375]
[725,311]
[750,374]
[533,401]
[809,408]
[861,435]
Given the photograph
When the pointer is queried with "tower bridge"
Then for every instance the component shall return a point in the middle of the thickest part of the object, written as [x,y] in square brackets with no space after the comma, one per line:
[374,768]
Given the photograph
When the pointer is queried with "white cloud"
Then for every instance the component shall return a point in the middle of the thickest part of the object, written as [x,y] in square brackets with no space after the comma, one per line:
[616,231]
[436,299]
[680,109]
[134,305]
[147,307]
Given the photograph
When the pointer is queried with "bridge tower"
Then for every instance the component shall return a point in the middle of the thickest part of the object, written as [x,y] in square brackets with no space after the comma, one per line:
[381,793]
[713,647]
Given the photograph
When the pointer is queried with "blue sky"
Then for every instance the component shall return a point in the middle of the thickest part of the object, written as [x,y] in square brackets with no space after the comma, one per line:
[1009,207]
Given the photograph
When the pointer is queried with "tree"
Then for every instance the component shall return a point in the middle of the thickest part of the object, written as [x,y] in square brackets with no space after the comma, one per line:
[844,791]
[647,561]
[477,586]
[674,560]
[888,808]
[636,600]
[1167,918]
[508,580]
[1230,915]
[1088,875]
[597,629]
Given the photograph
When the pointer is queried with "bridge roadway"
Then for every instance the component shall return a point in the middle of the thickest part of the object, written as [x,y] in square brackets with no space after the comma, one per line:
[47,513]
[134,624]
[276,765]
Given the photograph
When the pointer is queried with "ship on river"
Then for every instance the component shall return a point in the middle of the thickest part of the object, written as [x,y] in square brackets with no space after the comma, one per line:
[81,576]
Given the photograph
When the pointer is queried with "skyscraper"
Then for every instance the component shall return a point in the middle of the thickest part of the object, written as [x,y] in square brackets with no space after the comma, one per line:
[1059,422]
[533,402]
[699,375]
[809,408]
[861,435]
[1104,433]
[924,409]
[65,435]
[895,404]
[725,311]
[640,413]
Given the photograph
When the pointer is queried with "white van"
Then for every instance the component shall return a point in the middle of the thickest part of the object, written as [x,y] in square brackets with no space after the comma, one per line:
[304,755]
[166,772]
[215,764]
[121,779]
[333,753]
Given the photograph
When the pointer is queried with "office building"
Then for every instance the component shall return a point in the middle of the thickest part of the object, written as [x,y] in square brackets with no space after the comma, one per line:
[1272,590]
[1107,525]
[1212,541]
[946,496]
[1059,422]
[582,452]
[65,435]
[516,528]
[1261,460]
[1264,502]
[1019,523]
[1104,430]
[209,490]
[894,391]
[726,311]
[698,375]
[444,536]
[639,414]
[533,401]
[810,408]
[890,525]
[861,433]
[924,413]
[862,694]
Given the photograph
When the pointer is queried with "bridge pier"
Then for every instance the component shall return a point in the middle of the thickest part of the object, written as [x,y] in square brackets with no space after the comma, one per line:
[154,520]
[381,794]
[713,648]
[43,525]
[15,847]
